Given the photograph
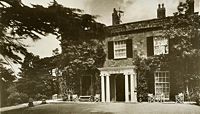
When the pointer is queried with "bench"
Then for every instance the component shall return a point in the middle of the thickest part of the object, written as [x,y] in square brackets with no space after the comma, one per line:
[85,98]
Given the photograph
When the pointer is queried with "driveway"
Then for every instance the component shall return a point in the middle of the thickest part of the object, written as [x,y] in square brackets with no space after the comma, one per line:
[109,108]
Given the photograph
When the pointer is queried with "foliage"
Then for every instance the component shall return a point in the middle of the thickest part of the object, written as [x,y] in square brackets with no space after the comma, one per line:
[17,98]
[6,74]
[71,27]
[81,58]
[145,68]
[141,69]
[40,97]
[36,78]
[13,96]
[7,77]
[21,22]
[184,58]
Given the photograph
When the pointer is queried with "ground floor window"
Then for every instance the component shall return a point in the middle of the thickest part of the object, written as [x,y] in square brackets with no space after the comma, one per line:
[162,84]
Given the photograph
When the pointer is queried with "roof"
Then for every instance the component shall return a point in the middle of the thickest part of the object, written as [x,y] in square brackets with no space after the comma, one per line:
[139,26]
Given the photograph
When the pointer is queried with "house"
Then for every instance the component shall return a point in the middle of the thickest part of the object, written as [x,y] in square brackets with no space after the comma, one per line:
[122,44]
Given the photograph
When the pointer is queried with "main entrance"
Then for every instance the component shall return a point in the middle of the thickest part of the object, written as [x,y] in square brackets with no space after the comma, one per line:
[120,87]
[118,84]
[117,87]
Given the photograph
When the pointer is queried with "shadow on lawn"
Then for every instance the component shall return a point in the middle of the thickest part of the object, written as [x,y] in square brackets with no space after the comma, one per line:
[15,111]
[30,111]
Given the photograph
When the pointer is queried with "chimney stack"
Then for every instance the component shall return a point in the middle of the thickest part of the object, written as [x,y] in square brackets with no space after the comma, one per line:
[190,6]
[161,11]
[115,17]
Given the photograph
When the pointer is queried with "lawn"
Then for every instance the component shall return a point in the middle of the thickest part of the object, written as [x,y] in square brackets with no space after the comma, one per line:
[109,108]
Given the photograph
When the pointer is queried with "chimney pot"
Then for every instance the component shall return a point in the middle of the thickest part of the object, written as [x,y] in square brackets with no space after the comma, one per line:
[162,5]
[158,5]
[161,11]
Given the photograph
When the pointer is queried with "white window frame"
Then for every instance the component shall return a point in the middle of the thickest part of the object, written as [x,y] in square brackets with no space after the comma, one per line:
[160,45]
[120,50]
[162,78]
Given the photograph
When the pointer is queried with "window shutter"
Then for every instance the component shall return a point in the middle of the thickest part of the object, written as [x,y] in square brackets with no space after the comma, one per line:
[129,48]
[150,50]
[170,45]
[110,50]
[172,42]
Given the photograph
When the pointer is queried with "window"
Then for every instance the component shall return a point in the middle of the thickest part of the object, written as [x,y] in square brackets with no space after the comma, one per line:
[162,84]
[120,49]
[160,45]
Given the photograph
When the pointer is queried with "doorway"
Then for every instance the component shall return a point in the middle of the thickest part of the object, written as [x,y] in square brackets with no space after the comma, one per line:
[86,85]
[120,87]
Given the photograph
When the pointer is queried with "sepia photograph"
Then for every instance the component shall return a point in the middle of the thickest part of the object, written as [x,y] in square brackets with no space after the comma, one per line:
[100,56]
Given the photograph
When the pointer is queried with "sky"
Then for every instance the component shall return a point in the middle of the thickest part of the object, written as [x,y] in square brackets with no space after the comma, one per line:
[134,10]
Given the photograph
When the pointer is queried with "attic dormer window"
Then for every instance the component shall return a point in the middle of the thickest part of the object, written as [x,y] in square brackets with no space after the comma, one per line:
[120,49]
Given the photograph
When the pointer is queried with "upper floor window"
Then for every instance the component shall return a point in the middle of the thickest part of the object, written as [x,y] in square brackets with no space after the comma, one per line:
[160,45]
[120,49]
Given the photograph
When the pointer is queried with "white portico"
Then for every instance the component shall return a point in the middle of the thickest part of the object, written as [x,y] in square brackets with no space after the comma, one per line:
[118,84]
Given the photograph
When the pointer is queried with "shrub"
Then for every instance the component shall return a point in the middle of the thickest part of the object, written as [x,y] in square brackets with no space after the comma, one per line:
[198,101]
[40,97]
[17,98]
[197,98]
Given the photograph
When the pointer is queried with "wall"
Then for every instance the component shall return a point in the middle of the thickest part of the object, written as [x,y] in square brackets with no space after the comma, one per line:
[139,44]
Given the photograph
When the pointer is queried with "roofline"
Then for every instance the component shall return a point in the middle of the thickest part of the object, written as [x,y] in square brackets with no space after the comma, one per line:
[146,20]
[139,26]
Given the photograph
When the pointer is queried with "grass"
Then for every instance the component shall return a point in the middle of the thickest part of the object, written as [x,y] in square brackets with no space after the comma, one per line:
[15,111]
[108,108]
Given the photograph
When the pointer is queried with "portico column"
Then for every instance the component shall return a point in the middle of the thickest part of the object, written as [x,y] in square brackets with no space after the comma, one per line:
[102,89]
[126,88]
[107,88]
[135,86]
[132,88]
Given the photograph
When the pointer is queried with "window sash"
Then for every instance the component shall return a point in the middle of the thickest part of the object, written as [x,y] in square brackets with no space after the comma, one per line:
[162,83]
[120,49]
[160,45]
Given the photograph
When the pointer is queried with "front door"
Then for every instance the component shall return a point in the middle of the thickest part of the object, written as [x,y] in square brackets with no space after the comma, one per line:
[120,87]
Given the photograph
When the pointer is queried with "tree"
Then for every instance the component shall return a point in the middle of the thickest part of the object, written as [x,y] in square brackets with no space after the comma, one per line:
[7,77]
[184,59]
[24,22]
[81,58]
[183,32]
[36,77]
[71,27]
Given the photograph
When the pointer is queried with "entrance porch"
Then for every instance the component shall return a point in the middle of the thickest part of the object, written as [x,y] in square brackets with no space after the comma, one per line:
[118,84]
